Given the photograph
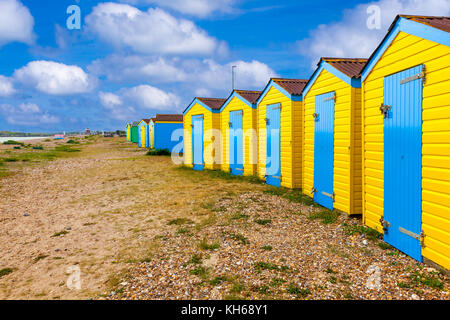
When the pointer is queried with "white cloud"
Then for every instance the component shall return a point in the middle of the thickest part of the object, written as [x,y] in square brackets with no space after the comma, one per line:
[26,114]
[54,78]
[134,67]
[16,23]
[109,100]
[206,74]
[249,75]
[351,37]
[199,8]
[127,102]
[6,87]
[153,98]
[153,31]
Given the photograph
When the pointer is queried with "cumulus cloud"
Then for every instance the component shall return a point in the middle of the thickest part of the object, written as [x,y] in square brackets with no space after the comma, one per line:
[351,37]
[199,8]
[153,98]
[151,31]
[54,78]
[127,102]
[135,67]
[6,87]
[16,23]
[26,114]
[206,74]
[249,75]
[109,100]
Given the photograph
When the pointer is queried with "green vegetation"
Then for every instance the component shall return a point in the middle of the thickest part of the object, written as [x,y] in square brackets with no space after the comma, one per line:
[159,152]
[371,234]
[180,221]
[71,141]
[219,174]
[63,148]
[384,245]
[276,282]
[12,142]
[267,248]
[293,195]
[5,271]
[297,291]
[38,148]
[238,237]
[263,222]
[269,266]
[204,245]
[431,280]
[199,271]
[61,233]
[238,216]
[325,215]
[40,257]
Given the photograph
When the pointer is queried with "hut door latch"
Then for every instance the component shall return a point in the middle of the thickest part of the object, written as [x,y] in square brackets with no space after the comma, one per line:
[420,237]
[385,110]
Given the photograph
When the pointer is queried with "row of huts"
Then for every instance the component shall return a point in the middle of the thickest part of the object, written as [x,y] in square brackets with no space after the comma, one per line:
[164,131]
[363,136]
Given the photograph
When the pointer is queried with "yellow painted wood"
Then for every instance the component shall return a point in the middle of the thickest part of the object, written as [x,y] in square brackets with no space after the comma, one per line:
[347,182]
[249,135]
[212,141]
[290,136]
[143,137]
[407,51]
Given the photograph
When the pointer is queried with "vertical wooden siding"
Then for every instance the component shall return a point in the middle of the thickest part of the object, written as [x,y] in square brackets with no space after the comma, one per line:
[211,145]
[407,51]
[290,136]
[250,141]
[347,170]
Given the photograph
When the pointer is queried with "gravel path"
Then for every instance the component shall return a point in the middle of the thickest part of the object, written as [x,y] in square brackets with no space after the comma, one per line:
[260,246]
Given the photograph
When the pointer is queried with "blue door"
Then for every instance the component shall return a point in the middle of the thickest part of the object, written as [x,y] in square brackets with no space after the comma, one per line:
[324,149]
[403,161]
[197,142]
[273,150]
[235,143]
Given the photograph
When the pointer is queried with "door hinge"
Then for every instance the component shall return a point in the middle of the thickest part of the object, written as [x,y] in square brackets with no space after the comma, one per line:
[313,190]
[385,224]
[266,120]
[420,237]
[420,75]
[315,115]
[229,124]
[277,108]
[385,110]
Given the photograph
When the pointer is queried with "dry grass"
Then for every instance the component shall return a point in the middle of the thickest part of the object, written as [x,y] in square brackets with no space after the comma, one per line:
[116,202]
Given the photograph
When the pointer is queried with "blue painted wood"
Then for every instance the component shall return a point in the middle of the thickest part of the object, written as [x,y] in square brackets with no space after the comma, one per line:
[324,149]
[403,161]
[235,143]
[273,149]
[197,142]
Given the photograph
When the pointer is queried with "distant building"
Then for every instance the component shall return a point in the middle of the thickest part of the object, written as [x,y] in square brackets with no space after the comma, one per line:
[87,131]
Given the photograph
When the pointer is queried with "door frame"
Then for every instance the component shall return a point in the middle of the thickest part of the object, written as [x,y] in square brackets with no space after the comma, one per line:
[198,166]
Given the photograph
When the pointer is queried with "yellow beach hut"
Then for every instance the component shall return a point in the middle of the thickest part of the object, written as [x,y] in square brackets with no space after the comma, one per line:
[279,115]
[332,135]
[151,127]
[144,136]
[406,138]
[202,138]
[239,135]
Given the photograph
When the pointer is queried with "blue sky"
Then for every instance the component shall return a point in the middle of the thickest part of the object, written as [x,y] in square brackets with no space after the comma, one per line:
[132,59]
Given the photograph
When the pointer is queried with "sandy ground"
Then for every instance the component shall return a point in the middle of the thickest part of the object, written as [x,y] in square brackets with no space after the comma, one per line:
[111,201]
[110,222]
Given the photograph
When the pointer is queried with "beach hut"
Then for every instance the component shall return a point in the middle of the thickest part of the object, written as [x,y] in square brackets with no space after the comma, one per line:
[279,115]
[332,135]
[202,139]
[151,127]
[167,131]
[128,132]
[239,135]
[406,138]
[143,131]
[134,132]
